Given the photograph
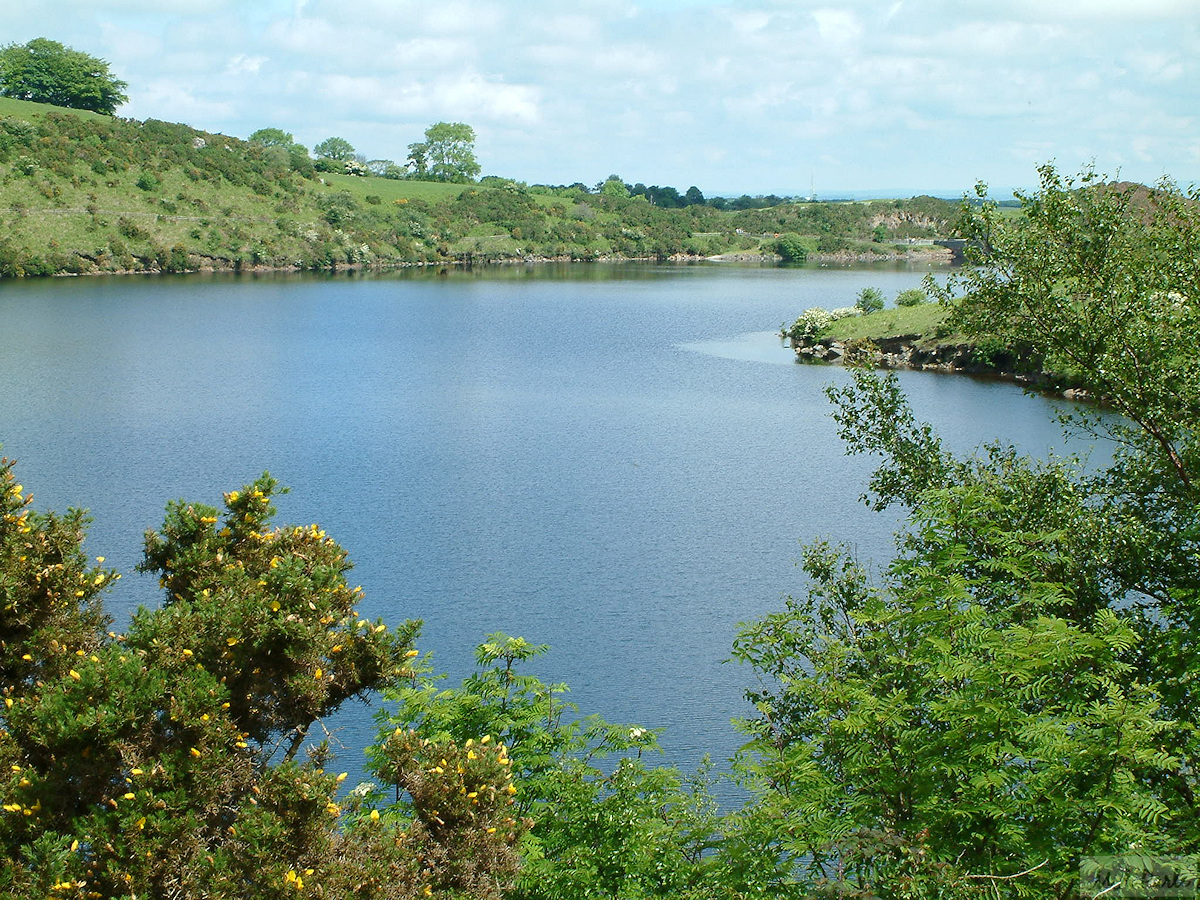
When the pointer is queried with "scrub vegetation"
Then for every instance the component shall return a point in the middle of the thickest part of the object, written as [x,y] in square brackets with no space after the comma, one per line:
[83,193]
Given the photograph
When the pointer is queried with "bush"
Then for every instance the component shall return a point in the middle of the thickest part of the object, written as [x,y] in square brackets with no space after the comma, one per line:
[911,297]
[809,324]
[791,247]
[869,300]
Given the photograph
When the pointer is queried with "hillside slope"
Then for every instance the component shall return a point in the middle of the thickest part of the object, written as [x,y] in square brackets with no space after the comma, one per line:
[83,193]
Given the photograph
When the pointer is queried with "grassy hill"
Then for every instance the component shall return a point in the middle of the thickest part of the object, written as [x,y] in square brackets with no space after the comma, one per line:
[81,192]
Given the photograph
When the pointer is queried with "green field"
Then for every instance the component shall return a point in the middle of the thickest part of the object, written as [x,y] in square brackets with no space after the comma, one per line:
[389,190]
[887,323]
[23,109]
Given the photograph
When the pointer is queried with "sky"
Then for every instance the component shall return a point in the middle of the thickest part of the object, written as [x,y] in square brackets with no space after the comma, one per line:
[888,98]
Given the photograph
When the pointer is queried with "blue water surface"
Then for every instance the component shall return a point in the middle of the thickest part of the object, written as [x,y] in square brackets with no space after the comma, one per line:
[618,461]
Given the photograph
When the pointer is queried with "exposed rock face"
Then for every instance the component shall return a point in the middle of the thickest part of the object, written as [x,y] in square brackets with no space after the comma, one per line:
[904,352]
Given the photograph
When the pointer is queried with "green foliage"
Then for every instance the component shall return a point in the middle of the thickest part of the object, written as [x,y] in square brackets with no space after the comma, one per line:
[446,154]
[226,202]
[614,186]
[869,300]
[980,709]
[335,148]
[911,297]
[142,764]
[625,829]
[1101,280]
[272,137]
[792,247]
[44,71]
[49,591]
[1016,693]
[266,609]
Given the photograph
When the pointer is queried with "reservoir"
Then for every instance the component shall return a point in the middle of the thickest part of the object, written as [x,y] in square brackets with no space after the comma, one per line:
[620,461]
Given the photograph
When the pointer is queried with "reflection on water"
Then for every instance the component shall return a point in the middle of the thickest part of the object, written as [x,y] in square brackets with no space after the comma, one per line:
[757,346]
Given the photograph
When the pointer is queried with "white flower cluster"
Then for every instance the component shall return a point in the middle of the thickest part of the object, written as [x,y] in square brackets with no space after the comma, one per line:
[815,320]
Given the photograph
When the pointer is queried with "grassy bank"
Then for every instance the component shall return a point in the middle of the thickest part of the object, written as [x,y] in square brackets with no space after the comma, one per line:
[922,322]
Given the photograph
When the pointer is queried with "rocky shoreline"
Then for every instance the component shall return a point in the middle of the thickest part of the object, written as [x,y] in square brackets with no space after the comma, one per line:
[909,352]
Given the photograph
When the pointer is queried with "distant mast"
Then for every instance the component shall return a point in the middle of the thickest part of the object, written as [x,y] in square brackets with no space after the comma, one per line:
[812,189]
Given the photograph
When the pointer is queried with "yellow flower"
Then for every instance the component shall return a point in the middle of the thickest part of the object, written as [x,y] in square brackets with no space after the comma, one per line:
[74,674]
[374,815]
[194,751]
[317,674]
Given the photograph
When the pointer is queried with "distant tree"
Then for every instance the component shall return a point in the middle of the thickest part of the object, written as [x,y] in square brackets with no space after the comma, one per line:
[693,196]
[666,197]
[45,71]
[272,137]
[911,297]
[613,186]
[335,148]
[791,247]
[446,154]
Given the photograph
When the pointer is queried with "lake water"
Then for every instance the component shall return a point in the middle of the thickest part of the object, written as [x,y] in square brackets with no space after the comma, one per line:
[618,461]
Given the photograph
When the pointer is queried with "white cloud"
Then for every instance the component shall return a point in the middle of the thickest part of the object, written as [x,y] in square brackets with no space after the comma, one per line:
[244,65]
[838,26]
[739,93]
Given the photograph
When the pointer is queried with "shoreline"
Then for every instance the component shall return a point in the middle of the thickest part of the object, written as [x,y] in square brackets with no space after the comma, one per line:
[844,258]
[1018,365]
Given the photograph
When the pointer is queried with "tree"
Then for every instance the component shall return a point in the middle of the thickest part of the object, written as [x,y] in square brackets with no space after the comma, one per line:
[146,763]
[446,154]
[335,148]
[613,186]
[45,71]
[791,247]
[1017,692]
[869,300]
[911,297]
[693,196]
[621,829]
[272,137]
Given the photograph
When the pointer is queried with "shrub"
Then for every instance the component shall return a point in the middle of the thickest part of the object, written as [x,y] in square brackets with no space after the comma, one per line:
[869,300]
[809,324]
[911,297]
[791,247]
